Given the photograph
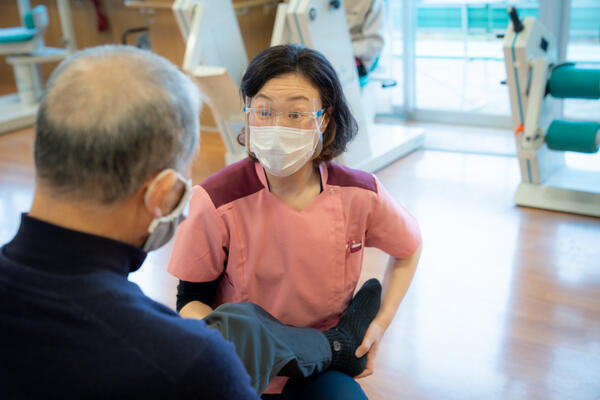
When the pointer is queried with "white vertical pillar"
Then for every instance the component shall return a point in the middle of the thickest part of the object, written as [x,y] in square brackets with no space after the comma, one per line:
[24,7]
[409,34]
[554,15]
[66,25]
[25,82]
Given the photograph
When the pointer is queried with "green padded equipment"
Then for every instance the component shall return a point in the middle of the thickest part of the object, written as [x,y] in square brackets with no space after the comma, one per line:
[25,33]
[570,82]
[581,137]
[28,20]
[16,35]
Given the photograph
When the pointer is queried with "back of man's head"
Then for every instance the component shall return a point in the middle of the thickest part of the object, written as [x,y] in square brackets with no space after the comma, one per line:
[112,117]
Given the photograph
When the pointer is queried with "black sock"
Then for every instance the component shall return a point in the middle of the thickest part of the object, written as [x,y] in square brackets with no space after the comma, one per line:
[348,334]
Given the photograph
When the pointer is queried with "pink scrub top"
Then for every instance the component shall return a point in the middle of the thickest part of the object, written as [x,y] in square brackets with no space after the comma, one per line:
[300,266]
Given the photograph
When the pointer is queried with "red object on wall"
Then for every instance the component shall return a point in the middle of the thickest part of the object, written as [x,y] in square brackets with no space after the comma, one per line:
[102,20]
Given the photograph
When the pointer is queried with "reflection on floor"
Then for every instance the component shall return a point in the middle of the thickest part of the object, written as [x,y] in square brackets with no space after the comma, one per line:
[506,300]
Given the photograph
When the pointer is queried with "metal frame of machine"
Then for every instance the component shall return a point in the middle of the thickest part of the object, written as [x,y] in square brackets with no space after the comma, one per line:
[547,182]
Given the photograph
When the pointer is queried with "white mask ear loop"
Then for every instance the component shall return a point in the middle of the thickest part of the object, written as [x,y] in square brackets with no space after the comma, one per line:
[181,206]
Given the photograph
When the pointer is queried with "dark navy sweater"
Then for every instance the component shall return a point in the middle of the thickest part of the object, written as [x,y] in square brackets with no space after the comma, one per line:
[73,326]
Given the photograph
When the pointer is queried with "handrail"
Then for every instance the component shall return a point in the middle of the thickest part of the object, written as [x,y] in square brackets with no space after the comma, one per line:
[168,4]
[254,3]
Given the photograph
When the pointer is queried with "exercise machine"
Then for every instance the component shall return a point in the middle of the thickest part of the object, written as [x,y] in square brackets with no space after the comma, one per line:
[537,82]
[24,49]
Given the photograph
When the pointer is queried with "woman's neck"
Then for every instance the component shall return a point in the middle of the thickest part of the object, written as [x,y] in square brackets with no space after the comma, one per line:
[306,179]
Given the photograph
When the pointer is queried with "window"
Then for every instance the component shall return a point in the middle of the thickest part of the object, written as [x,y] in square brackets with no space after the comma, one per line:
[459,62]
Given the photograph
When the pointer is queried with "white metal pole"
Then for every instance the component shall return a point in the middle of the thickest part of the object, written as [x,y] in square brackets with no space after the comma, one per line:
[25,82]
[554,15]
[409,28]
[24,7]
[66,25]
[563,34]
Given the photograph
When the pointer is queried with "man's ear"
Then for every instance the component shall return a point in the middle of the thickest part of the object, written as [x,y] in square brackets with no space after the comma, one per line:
[156,193]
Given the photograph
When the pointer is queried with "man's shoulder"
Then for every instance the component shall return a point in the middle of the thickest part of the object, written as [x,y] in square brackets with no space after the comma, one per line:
[233,182]
[133,337]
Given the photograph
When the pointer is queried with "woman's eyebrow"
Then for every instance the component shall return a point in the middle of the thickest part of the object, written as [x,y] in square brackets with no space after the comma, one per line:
[263,96]
[300,97]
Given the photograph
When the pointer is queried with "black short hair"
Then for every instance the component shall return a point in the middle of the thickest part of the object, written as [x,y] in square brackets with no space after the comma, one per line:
[292,58]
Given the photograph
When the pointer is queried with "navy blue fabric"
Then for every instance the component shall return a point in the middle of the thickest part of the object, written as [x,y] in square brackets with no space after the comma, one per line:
[73,326]
[332,385]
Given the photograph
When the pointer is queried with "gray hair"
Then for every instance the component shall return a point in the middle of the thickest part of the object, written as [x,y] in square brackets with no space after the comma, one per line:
[113,116]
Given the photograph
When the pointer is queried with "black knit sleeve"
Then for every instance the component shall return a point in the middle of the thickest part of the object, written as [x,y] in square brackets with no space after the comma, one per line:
[204,292]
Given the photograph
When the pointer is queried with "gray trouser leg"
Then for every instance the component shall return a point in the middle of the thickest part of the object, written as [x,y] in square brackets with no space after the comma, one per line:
[267,347]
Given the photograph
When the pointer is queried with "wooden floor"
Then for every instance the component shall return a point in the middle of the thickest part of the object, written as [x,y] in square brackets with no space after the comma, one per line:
[506,300]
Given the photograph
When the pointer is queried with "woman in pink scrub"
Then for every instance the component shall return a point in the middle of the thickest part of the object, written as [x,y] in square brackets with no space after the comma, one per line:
[286,227]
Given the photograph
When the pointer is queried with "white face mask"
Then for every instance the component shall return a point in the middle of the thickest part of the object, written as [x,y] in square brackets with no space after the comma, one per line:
[162,229]
[281,150]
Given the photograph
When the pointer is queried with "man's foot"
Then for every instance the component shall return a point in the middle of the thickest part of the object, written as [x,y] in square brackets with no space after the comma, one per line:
[348,334]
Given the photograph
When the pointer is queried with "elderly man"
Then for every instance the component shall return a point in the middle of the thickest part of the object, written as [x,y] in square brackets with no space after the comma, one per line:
[115,134]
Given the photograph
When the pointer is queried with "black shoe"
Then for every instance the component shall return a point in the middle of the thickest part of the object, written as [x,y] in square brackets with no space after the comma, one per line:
[348,334]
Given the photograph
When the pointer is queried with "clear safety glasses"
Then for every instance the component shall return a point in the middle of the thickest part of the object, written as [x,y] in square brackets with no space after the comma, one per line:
[301,113]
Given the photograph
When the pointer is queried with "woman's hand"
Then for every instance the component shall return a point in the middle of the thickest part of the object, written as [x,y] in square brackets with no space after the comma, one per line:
[195,309]
[369,346]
